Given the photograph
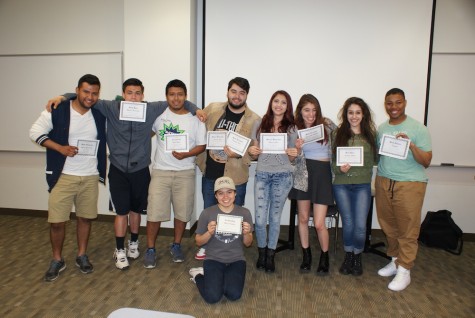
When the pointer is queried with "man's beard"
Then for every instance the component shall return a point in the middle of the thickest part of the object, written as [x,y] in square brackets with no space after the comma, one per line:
[236,106]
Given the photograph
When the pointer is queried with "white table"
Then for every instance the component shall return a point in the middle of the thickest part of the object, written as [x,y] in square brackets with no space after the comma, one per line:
[142,313]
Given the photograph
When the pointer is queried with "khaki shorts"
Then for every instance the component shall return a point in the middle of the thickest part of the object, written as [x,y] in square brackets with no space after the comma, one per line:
[167,188]
[81,191]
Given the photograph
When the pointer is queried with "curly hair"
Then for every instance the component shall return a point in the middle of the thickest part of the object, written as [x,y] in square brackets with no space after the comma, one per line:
[368,128]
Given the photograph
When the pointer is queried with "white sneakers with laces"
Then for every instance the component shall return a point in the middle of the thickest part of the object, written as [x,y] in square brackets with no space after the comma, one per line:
[402,279]
[121,261]
[195,271]
[389,270]
[133,250]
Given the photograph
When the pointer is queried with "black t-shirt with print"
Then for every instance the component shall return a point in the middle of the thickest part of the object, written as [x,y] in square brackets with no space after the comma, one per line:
[216,159]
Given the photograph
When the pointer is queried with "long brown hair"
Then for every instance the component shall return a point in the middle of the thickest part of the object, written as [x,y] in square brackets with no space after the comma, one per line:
[367,126]
[268,119]
[319,119]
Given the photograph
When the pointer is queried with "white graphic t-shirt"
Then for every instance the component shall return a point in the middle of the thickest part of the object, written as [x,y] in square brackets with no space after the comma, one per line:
[171,123]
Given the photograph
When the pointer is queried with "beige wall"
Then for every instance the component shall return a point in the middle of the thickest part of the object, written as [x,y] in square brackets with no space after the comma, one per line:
[158,41]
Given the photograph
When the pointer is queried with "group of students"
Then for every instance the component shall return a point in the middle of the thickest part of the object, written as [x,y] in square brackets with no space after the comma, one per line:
[64,127]
[311,174]
[75,132]
[306,172]
[319,180]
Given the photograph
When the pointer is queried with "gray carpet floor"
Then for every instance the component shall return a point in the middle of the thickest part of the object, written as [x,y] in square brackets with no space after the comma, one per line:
[443,285]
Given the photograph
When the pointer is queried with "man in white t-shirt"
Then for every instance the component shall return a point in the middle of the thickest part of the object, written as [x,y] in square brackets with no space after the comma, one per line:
[180,138]
[75,137]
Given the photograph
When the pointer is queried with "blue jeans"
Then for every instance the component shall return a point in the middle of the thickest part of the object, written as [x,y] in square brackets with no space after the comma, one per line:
[270,194]
[353,201]
[207,189]
[221,280]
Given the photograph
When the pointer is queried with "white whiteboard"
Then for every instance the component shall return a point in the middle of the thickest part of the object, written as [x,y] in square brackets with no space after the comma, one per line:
[454,30]
[451,112]
[28,81]
[332,49]
[451,109]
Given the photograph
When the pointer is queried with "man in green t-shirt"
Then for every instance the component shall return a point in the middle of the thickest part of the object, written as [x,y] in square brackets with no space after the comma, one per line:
[400,188]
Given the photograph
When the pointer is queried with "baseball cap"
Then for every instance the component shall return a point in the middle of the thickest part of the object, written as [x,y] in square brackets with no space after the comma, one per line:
[224,183]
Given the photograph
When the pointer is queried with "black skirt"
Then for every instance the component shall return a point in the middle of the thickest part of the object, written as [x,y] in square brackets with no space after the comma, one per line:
[320,189]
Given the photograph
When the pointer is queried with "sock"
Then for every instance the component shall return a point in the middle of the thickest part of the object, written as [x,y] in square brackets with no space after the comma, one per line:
[120,242]
[134,237]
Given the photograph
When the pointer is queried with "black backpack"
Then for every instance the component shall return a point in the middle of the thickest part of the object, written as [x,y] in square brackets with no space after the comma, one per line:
[439,230]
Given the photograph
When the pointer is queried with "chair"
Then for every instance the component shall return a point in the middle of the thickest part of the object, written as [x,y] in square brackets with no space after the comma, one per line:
[334,215]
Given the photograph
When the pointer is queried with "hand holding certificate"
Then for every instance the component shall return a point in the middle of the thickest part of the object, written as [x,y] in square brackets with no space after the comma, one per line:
[315,133]
[132,111]
[394,147]
[88,147]
[229,224]
[176,142]
[273,142]
[237,143]
[349,155]
[216,140]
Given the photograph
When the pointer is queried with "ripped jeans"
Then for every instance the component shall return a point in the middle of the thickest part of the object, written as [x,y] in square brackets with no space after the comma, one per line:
[270,193]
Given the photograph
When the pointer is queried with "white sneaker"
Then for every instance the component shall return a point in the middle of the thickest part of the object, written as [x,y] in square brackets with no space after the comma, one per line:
[402,279]
[201,254]
[195,271]
[133,250]
[121,261]
[389,270]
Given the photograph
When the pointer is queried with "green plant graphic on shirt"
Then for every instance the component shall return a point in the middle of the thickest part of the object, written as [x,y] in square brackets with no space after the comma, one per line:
[169,129]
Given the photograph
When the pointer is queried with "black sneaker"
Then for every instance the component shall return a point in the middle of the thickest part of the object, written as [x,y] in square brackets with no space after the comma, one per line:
[55,267]
[84,265]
